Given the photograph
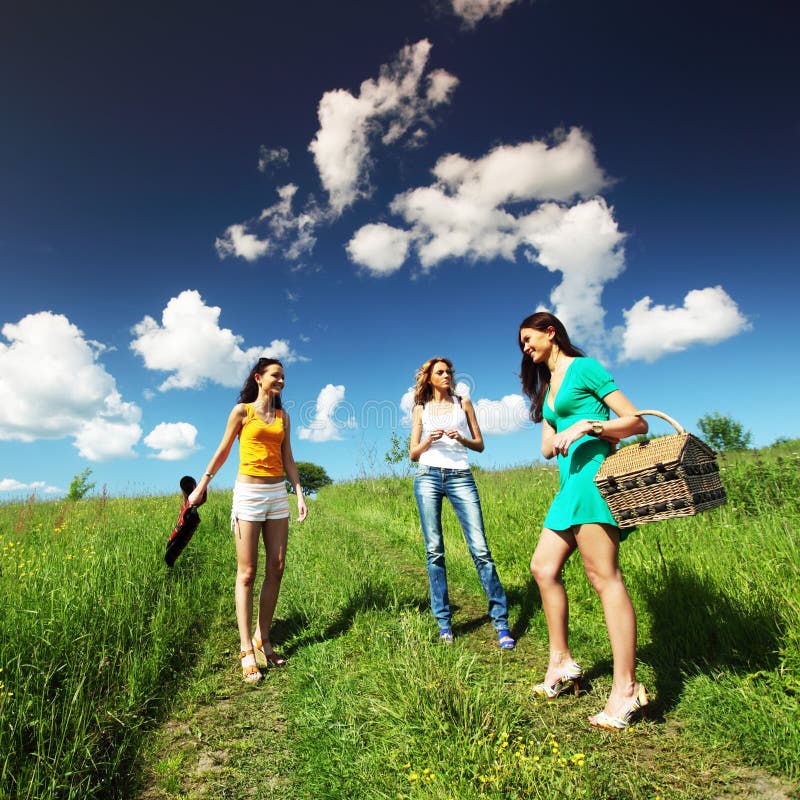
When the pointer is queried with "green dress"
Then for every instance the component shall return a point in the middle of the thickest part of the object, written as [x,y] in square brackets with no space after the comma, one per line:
[580,396]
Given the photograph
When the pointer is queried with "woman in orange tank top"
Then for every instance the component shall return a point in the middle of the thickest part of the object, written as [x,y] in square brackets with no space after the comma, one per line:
[260,504]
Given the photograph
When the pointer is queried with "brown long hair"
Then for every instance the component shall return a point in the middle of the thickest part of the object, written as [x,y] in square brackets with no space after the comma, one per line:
[424,391]
[250,389]
[536,377]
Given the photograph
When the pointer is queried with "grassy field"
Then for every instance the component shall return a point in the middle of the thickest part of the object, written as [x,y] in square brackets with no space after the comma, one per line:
[119,676]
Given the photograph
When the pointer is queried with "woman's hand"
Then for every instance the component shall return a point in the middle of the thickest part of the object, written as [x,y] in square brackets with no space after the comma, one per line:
[563,440]
[302,508]
[197,497]
[435,435]
[453,433]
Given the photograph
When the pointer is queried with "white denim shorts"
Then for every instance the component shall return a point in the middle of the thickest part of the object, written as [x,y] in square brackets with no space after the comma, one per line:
[257,502]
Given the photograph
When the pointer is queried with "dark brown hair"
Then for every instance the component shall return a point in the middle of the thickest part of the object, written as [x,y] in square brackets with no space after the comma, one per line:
[536,377]
[250,389]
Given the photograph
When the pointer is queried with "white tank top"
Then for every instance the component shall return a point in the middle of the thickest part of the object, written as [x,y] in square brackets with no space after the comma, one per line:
[446,452]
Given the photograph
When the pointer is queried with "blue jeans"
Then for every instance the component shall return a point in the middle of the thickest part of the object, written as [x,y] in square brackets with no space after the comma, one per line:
[458,486]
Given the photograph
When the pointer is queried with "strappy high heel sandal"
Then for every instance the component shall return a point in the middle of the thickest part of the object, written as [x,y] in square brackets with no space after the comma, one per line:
[267,659]
[251,673]
[639,704]
[571,677]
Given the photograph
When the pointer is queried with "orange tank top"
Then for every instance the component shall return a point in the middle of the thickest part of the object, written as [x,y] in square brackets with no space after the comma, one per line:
[260,445]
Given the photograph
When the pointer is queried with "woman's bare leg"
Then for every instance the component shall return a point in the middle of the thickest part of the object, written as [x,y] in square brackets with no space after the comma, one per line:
[246,536]
[599,548]
[276,536]
[552,552]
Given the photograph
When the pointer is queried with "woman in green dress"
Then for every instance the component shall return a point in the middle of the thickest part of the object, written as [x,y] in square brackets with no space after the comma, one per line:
[572,396]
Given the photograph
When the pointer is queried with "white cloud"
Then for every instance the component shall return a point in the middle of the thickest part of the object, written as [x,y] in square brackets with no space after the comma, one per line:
[441,85]
[494,416]
[532,170]
[380,248]
[463,389]
[103,440]
[272,157]
[390,105]
[238,242]
[328,422]
[516,197]
[12,485]
[295,233]
[707,316]
[473,11]
[468,212]
[502,416]
[585,245]
[395,106]
[173,440]
[407,406]
[52,386]
[191,345]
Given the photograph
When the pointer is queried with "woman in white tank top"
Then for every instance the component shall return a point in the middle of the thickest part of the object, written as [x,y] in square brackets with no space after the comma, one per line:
[444,430]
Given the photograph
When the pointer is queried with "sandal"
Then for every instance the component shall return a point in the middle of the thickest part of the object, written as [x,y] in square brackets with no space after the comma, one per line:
[608,723]
[571,677]
[505,640]
[271,659]
[250,672]
[446,635]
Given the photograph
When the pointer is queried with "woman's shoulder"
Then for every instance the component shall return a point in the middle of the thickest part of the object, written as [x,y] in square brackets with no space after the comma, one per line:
[588,364]
[595,375]
[238,414]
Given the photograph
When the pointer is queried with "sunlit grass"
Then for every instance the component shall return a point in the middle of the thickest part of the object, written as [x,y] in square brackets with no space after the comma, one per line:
[97,634]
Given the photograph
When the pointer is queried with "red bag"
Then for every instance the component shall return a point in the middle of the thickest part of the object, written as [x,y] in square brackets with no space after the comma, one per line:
[188,520]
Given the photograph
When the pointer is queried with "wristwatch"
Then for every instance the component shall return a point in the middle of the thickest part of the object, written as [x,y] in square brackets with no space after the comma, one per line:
[597,429]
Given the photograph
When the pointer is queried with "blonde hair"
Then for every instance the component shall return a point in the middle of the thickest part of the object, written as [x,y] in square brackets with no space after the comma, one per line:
[424,391]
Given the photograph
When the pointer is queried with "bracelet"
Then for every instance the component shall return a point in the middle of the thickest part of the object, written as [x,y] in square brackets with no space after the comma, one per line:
[208,474]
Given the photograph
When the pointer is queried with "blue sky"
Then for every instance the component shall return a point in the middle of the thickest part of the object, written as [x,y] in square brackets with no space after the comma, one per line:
[356,187]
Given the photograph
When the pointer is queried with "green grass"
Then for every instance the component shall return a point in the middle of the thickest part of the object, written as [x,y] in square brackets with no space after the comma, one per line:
[94,630]
[119,667]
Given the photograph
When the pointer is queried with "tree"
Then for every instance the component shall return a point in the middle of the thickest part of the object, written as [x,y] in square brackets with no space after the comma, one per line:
[80,485]
[398,453]
[312,477]
[723,433]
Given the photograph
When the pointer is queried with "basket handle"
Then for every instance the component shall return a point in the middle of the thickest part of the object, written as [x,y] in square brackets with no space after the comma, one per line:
[663,416]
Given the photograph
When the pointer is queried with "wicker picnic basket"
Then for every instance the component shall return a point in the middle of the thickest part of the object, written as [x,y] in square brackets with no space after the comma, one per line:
[670,476]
